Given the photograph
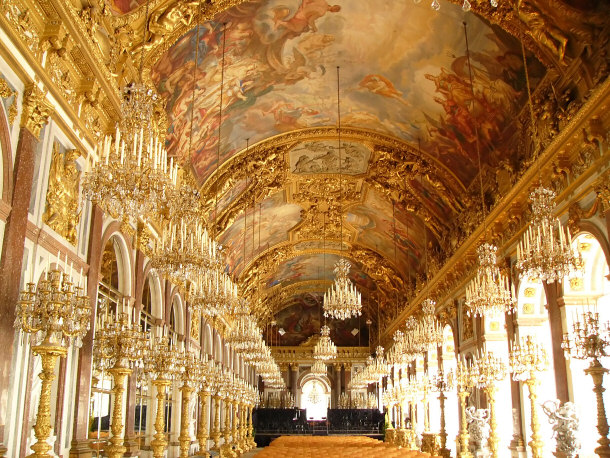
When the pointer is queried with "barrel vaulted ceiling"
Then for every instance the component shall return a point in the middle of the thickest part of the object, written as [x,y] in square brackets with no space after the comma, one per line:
[284,205]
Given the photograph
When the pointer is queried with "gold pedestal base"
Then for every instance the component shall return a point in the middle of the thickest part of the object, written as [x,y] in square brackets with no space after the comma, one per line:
[159,443]
[42,430]
[390,436]
[431,443]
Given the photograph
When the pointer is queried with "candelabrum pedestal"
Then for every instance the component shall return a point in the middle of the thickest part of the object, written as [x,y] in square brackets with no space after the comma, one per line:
[215,434]
[242,428]
[597,371]
[116,449]
[235,440]
[493,440]
[185,437]
[464,437]
[251,428]
[42,430]
[226,449]
[444,451]
[159,443]
[535,443]
[202,425]
[390,435]
[431,444]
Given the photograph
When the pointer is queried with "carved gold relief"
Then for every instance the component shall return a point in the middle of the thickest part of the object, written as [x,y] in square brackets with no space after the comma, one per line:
[577,284]
[36,110]
[61,213]
[528,308]
[5,93]
[529,292]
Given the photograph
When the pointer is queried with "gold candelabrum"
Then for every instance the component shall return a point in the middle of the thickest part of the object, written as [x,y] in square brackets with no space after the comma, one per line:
[162,364]
[589,341]
[525,361]
[487,370]
[464,381]
[440,384]
[192,376]
[226,450]
[118,346]
[202,424]
[55,314]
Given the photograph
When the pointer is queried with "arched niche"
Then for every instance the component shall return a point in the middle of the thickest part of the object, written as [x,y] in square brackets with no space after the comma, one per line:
[176,315]
[116,250]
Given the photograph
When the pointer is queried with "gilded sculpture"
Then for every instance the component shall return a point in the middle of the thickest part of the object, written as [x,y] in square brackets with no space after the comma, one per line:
[62,213]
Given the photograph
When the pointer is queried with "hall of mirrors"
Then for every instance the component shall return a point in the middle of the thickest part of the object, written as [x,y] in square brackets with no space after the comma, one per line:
[298,228]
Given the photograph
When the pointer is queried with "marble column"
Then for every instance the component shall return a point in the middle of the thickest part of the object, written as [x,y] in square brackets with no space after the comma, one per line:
[294,377]
[35,113]
[337,368]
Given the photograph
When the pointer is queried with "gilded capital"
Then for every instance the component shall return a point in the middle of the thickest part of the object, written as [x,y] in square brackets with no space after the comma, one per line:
[36,110]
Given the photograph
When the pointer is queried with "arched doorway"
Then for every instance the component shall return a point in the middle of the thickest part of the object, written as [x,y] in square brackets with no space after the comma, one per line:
[315,397]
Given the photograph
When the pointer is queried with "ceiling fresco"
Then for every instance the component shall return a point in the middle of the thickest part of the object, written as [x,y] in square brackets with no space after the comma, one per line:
[323,157]
[120,7]
[375,229]
[267,224]
[315,266]
[301,318]
[400,79]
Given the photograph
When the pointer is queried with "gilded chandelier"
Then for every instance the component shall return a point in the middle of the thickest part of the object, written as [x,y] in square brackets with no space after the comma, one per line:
[325,349]
[342,300]
[430,330]
[545,251]
[213,293]
[318,368]
[185,252]
[489,292]
[131,178]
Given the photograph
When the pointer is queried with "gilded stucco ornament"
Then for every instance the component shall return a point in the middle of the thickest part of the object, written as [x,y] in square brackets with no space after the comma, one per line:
[61,212]
[36,110]
[6,92]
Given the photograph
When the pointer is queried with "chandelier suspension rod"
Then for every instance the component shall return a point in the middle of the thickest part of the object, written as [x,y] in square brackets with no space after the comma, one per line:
[222,82]
[476,132]
[531,110]
[144,40]
[395,265]
[340,164]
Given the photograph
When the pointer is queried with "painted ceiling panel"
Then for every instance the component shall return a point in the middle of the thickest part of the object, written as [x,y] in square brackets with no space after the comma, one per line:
[301,319]
[403,72]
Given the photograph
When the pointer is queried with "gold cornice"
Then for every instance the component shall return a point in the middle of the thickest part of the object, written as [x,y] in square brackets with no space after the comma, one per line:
[368,137]
[304,354]
[456,272]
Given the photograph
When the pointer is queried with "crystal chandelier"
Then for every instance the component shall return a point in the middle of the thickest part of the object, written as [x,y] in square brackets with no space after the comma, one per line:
[342,300]
[213,293]
[315,396]
[489,292]
[318,368]
[545,250]
[379,367]
[325,349]
[430,330]
[184,251]
[243,335]
[131,177]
